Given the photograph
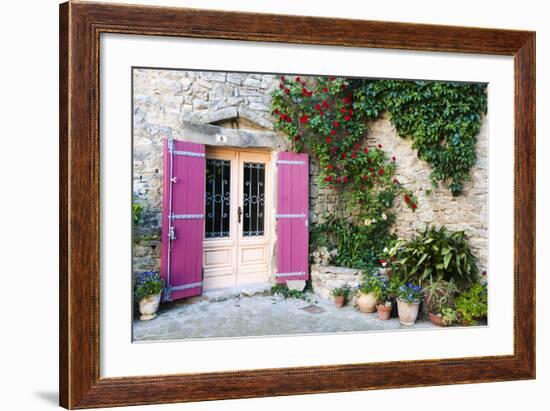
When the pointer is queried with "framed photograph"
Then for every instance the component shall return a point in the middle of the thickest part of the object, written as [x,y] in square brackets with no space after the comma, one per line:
[259,205]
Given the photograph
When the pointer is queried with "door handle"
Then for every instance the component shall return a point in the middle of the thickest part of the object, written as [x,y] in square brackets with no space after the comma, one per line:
[239,213]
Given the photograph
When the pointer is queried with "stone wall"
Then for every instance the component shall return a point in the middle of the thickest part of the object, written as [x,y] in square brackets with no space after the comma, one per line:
[188,105]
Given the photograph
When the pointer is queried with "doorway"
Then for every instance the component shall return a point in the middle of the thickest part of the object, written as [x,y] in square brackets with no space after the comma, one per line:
[238,221]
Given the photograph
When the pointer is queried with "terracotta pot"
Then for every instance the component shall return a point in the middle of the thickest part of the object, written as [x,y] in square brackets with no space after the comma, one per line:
[339,301]
[149,306]
[367,302]
[437,320]
[384,312]
[408,312]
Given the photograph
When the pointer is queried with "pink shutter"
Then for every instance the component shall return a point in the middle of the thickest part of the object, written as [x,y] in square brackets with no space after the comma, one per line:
[292,217]
[182,219]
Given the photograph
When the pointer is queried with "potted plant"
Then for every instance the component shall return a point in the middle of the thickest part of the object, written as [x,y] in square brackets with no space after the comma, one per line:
[383,306]
[471,306]
[366,302]
[340,294]
[147,289]
[438,296]
[408,302]
[392,290]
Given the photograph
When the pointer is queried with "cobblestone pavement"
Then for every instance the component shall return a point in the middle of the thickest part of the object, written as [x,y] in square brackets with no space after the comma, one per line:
[258,315]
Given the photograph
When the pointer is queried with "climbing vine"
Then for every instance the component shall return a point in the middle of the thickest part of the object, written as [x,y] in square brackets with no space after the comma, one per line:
[442,119]
[319,115]
[328,116]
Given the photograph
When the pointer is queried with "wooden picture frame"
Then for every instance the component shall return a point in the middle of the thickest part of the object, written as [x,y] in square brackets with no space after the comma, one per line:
[80,27]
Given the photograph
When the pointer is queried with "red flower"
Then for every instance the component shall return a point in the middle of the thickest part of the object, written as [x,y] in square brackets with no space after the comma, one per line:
[305,92]
[345,179]
[382,261]
[336,124]
[381,172]
[350,111]
[276,111]
[282,117]
[396,181]
[283,78]
[343,110]
[371,169]
[344,155]
[328,178]
[331,78]
[317,107]
[322,113]
[296,137]
[407,199]
[345,100]
[413,206]
[298,79]
[288,119]
[325,90]
[329,166]
[393,158]
[333,132]
[287,90]
[365,177]
[347,118]
[379,145]
[357,145]
[333,150]
[365,150]
[354,154]
[329,140]
[310,93]
[303,83]
[304,119]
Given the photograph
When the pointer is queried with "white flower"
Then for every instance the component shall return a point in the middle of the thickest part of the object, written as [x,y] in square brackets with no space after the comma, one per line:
[368,222]
[384,216]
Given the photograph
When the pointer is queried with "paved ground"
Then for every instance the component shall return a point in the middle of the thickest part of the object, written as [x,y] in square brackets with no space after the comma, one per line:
[259,315]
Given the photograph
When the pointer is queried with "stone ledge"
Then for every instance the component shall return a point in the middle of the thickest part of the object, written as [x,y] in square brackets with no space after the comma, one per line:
[324,279]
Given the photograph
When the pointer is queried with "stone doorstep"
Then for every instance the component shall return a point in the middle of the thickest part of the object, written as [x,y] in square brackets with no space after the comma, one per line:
[226,293]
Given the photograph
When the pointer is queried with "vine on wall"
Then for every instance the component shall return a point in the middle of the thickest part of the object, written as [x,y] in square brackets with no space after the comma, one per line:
[328,118]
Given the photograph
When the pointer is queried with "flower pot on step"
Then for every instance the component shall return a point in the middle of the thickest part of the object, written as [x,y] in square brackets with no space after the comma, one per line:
[367,302]
[384,311]
[149,306]
[408,312]
[437,320]
[339,301]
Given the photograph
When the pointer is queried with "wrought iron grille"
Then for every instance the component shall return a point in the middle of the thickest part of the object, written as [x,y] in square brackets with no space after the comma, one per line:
[218,198]
[253,199]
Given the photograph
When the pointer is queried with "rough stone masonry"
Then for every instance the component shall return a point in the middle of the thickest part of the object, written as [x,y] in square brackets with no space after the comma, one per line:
[169,103]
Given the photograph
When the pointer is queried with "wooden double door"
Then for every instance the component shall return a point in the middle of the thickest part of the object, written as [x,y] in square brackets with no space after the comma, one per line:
[239,194]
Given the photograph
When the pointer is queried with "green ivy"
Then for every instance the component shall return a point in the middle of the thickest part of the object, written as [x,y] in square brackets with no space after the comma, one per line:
[442,119]
[328,117]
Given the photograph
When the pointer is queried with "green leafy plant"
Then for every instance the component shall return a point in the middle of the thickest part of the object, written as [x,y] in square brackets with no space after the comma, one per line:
[374,282]
[449,316]
[439,295]
[471,306]
[283,290]
[436,254]
[147,283]
[358,246]
[137,211]
[341,291]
